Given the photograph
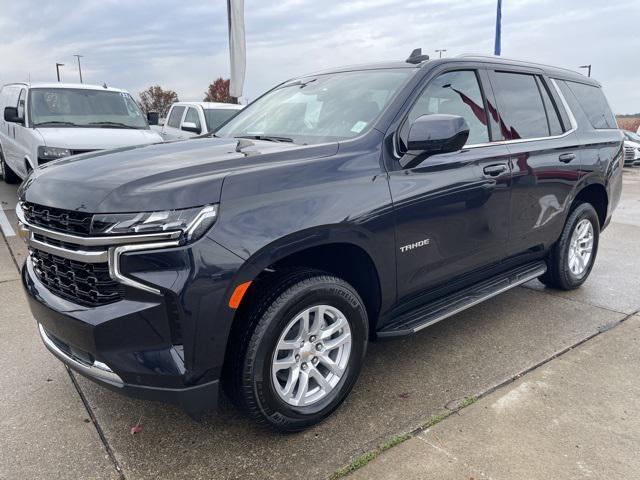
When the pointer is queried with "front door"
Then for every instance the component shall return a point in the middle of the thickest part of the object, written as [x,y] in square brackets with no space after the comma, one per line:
[452,210]
[171,129]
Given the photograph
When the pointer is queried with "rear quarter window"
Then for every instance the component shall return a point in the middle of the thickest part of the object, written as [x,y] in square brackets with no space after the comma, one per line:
[594,104]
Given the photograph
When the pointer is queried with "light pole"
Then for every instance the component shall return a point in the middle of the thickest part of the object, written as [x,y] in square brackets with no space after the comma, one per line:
[58,65]
[79,67]
[440,52]
[588,67]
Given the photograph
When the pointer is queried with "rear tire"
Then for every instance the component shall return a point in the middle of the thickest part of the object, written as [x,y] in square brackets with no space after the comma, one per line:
[571,259]
[285,370]
[8,175]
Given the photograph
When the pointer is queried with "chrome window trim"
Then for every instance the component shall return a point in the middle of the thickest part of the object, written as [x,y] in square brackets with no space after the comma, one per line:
[114,263]
[97,370]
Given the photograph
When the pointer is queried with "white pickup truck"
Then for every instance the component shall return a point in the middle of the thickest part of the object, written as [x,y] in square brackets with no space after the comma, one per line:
[188,119]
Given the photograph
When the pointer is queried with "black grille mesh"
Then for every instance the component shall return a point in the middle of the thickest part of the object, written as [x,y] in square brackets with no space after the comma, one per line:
[67,221]
[87,284]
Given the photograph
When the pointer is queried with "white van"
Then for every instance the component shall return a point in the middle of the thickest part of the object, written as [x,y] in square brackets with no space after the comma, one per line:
[188,119]
[44,122]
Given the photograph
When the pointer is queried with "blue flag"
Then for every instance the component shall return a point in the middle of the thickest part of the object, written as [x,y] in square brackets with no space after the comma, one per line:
[496,50]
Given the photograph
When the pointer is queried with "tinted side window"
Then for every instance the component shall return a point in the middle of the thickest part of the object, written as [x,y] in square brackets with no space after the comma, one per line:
[175,116]
[521,108]
[192,117]
[594,104]
[453,93]
[555,127]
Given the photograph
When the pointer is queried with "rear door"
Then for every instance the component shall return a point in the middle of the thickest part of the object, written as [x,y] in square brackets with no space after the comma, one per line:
[545,156]
[171,128]
[452,210]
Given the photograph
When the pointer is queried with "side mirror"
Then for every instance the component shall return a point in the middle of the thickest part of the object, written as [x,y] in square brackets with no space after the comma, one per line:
[433,134]
[11,115]
[191,127]
[153,118]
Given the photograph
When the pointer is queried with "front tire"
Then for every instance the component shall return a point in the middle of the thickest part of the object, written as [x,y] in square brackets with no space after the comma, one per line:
[572,257]
[302,350]
[8,175]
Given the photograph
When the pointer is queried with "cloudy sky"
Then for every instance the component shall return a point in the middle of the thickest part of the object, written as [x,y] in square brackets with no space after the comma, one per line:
[183,45]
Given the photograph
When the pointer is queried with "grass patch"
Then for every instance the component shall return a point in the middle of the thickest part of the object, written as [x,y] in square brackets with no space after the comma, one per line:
[359,462]
[465,402]
[366,457]
[435,419]
[397,440]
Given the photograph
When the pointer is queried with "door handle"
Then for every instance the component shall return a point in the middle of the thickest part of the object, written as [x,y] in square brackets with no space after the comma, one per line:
[567,157]
[495,170]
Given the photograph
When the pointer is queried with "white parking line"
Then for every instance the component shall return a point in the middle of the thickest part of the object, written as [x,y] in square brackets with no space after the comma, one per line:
[7,229]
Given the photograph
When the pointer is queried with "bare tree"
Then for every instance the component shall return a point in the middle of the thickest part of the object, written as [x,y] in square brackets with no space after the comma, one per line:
[155,99]
[218,91]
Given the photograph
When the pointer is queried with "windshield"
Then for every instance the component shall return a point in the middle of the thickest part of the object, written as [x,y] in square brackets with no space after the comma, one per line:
[319,109]
[632,136]
[217,116]
[78,107]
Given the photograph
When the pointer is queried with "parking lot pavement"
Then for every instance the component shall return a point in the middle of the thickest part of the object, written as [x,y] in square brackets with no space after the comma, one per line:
[404,381]
[45,430]
[577,416]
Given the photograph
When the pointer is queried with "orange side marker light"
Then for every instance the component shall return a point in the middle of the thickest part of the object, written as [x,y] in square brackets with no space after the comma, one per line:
[238,293]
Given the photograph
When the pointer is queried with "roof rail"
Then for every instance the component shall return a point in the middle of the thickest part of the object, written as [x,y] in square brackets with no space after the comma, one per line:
[497,57]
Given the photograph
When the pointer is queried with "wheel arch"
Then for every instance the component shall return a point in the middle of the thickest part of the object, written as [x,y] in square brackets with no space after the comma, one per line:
[595,194]
[341,251]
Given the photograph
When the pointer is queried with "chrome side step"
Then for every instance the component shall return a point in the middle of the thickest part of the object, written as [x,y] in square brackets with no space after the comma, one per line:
[456,302]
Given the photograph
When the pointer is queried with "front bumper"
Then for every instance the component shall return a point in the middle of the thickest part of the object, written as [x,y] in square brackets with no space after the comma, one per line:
[192,399]
[165,343]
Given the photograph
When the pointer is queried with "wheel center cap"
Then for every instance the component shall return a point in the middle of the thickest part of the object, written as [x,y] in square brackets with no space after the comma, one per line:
[307,351]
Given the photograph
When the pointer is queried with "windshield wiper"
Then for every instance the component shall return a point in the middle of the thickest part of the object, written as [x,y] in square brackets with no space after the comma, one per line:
[56,122]
[112,125]
[268,138]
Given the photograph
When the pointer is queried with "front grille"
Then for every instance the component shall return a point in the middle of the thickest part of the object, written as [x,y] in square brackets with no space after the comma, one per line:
[80,152]
[67,221]
[86,284]
[628,155]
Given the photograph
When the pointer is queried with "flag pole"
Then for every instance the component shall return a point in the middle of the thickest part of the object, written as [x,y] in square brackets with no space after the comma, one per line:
[497,47]
[237,48]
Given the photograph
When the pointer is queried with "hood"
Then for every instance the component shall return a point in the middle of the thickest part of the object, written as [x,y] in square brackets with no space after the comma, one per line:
[165,176]
[96,138]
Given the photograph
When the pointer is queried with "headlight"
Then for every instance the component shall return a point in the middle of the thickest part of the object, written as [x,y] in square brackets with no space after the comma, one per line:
[193,222]
[52,153]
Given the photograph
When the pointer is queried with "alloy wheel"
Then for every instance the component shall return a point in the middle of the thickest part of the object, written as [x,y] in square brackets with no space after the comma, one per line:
[311,355]
[581,248]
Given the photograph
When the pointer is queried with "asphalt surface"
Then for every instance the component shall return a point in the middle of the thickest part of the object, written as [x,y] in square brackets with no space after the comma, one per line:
[51,426]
